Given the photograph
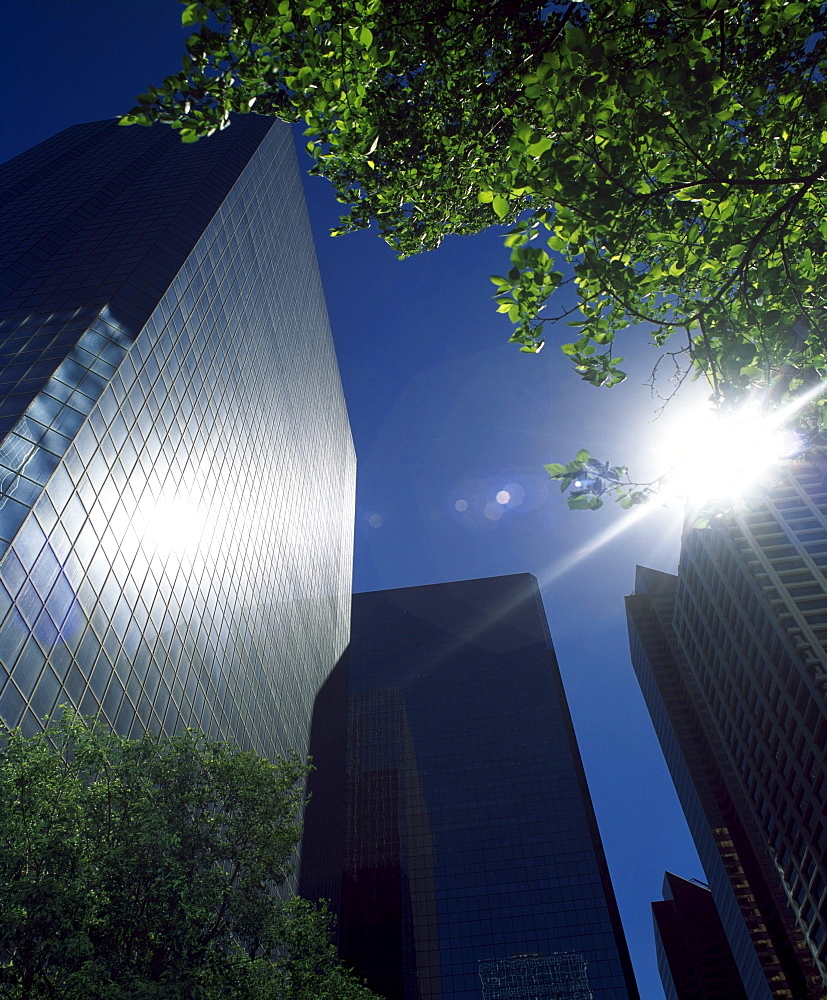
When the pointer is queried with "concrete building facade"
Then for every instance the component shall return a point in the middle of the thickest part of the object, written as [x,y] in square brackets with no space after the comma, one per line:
[732,660]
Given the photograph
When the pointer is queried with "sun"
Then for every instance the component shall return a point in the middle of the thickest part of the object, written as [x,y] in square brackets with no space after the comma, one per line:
[717,458]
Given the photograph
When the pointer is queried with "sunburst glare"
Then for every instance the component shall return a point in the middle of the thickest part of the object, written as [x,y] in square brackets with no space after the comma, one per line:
[719,458]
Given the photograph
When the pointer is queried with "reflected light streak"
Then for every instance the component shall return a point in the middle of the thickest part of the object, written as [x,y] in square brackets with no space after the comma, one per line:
[629,519]
[632,518]
[800,402]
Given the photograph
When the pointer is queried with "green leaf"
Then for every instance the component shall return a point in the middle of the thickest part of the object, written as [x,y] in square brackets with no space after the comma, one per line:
[191,15]
[539,147]
[500,206]
[515,239]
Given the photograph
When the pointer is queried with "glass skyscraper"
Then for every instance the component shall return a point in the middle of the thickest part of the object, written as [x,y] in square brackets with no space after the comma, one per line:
[694,957]
[732,660]
[176,466]
[452,826]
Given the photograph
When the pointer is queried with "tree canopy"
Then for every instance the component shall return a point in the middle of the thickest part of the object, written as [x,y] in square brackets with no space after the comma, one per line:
[664,159]
[145,869]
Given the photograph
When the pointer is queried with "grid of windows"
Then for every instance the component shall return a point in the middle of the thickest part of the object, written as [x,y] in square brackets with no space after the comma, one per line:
[466,780]
[387,882]
[750,620]
[185,474]
[734,879]
[751,613]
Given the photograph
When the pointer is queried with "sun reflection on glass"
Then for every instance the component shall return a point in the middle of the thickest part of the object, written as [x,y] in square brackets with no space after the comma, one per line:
[172,526]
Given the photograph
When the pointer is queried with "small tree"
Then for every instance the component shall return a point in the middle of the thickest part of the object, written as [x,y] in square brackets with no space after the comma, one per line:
[145,869]
[663,158]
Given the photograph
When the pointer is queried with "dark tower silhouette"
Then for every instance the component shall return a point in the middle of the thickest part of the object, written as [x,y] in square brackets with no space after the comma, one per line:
[694,956]
[465,834]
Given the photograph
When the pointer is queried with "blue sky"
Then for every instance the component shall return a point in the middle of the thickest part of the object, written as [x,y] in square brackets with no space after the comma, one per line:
[445,416]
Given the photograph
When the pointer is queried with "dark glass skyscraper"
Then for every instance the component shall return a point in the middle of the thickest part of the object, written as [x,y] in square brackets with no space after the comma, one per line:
[176,465]
[694,957]
[452,824]
[732,660]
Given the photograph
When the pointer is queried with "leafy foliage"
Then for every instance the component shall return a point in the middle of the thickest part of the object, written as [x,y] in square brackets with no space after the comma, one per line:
[664,159]
[590,481]
[145,869]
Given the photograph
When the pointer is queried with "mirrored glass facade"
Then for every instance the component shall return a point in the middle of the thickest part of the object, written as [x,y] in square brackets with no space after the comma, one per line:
[176,467]
[464,839]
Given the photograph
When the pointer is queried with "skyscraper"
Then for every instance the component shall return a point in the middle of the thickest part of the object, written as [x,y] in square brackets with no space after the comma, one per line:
[712,819]
[732,661]
[176,465]
[694,957]
[452,825]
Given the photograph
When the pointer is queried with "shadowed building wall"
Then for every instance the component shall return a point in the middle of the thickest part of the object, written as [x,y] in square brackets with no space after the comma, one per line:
[719,837]
[467,824]
[694,956]
[176,465]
